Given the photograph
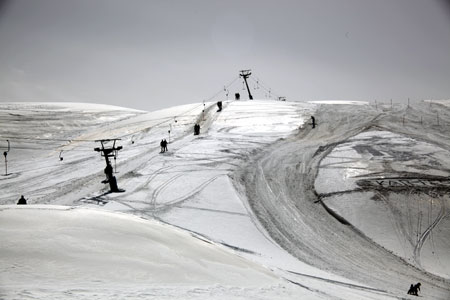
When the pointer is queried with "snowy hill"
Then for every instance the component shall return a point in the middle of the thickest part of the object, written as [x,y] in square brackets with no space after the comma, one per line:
[258,187]
[64,249]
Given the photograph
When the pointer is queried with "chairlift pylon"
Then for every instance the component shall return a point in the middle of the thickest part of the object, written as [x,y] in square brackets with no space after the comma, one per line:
[107,153]
[246,74]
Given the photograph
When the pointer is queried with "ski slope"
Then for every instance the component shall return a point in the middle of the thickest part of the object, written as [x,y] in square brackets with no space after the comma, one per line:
[272,206]
[84,249]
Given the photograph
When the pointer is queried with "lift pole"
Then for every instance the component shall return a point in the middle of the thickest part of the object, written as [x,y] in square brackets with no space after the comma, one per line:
[107,153]
[245,74]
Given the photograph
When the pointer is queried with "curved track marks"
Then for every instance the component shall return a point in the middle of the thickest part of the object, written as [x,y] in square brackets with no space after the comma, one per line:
[282,195]
[423,237]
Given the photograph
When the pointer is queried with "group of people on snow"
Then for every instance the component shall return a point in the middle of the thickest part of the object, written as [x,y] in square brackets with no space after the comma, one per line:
[163,145]
[196,129]
[414,289]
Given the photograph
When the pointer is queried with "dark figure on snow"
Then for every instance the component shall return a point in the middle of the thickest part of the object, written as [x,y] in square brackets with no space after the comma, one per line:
[162,146]
[313,122]
[237,96]
[417,289]
[411,289]
[165,145]
[196,129]
[219,105]
[22,201]
[414,289]
[108,172]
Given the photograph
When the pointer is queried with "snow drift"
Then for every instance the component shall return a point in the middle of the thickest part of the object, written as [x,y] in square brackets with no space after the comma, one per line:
[68,246]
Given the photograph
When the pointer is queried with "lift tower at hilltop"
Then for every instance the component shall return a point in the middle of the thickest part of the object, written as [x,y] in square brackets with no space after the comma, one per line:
[245,74]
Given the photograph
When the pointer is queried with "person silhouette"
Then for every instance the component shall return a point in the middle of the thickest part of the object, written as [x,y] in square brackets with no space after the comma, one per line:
[411,289]
[416,289]
[22,201]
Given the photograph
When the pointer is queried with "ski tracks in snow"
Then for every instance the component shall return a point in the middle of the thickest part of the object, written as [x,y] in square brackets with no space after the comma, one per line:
[283,200]
[423,237]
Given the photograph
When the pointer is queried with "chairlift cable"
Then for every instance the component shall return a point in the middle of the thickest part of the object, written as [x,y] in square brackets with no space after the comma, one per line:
[47,139]
[223,90]
[70,141]
[47,146]
[48,149]
[166,120]
[264,86]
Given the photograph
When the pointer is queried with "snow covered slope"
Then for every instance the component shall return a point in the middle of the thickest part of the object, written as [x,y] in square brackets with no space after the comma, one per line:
[401,187]
[246,182]
[60,250]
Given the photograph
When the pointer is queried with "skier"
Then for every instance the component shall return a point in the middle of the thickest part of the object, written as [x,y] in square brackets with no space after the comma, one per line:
[22,201]
[165,145]
[313,120]
[219,105]
[237,96]
[416,289]
[162,146]
[196,129]
[411,289]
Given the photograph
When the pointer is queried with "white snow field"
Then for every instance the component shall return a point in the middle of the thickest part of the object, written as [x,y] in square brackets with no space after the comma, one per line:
[258,206]
[80,249]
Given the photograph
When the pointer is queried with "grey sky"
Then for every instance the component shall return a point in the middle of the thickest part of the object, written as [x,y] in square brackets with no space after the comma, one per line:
[155,54]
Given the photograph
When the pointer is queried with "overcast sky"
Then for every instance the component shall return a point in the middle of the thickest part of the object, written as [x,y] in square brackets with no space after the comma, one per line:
[149,54]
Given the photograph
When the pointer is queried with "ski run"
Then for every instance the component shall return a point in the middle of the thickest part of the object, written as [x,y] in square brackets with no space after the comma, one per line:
[258,205]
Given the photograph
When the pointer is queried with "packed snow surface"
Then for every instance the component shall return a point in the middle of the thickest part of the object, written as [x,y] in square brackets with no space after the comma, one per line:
[401,185]
[65,246]
[258,206]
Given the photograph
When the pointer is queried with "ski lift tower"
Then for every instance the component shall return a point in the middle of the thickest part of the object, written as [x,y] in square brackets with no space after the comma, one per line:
[107,153]
[246,74]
